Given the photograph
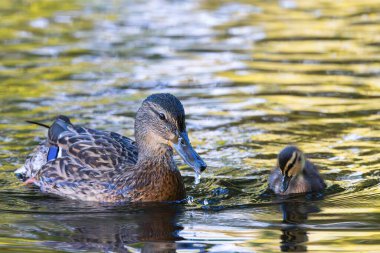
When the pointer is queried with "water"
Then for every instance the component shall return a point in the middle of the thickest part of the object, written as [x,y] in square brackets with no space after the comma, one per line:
[253,76]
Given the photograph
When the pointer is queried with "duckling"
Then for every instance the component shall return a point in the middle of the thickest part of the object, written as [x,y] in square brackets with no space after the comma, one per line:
[295,174]
[91,165]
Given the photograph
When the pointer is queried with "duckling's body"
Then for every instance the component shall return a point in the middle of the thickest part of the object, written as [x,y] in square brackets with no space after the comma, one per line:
[295,174]
[86,164]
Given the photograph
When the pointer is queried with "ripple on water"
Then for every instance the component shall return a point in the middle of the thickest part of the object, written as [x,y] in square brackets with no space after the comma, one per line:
[253,77]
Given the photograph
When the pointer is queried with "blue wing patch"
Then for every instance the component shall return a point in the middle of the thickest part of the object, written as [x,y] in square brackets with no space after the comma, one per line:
[53,153]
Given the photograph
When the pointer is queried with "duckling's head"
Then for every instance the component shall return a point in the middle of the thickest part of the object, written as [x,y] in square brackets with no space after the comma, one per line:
[160,126]
[291,161]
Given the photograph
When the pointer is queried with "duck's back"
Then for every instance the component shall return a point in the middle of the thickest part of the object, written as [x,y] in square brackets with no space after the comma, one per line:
[79,162]
[315,180]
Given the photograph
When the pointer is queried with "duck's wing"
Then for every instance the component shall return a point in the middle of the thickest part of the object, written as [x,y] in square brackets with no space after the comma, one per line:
[98,150]
[313,176]
[122,146]
[81,163]
[275,180]
[69,177]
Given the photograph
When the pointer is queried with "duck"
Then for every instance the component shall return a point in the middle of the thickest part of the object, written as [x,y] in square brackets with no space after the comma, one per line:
[91,165]
[294,174]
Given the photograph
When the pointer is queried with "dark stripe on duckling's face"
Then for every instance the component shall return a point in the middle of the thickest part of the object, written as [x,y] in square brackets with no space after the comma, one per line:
[287,172]
[285,155]
[291,163]
[289,158]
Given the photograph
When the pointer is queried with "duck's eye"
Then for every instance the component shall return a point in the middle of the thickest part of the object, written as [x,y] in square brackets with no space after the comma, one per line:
[162,116]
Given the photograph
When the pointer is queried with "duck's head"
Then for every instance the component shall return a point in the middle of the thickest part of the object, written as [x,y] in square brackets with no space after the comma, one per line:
[160,126]
[291,161]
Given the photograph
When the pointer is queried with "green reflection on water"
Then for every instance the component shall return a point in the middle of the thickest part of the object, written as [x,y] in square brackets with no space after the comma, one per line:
[254,76]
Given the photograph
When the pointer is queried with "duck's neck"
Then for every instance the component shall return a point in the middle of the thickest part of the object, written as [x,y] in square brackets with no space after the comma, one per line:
[152,152]
[158,159]
[153,160]
[155,177]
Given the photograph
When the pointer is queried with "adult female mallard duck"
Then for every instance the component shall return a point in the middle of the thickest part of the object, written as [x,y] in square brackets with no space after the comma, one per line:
[295,174]
[91,165]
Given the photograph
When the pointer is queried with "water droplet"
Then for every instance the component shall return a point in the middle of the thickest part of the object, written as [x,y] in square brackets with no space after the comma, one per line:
[190,199]
[197,178]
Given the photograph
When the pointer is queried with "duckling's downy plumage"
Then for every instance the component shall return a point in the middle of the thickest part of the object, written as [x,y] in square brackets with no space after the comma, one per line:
[295,174]
[86,164]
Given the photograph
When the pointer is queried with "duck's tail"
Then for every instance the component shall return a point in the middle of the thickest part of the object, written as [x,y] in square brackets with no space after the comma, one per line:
[61,124]
[37,123]
[33,162]
[46,150]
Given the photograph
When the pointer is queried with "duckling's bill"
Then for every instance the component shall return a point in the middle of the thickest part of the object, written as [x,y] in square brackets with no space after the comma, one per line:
[188,154]
[285,182]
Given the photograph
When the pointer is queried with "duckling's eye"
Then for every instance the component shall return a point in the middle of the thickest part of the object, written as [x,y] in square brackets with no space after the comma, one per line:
[162,116]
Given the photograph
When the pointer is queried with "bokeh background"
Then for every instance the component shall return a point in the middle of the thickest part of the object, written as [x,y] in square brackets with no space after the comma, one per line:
[254,76]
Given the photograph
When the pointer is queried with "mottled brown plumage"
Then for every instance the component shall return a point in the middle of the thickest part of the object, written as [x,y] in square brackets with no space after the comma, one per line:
[295,174]
[104,166]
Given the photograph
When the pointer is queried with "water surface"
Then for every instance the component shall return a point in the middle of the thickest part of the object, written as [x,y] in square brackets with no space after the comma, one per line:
[253,76]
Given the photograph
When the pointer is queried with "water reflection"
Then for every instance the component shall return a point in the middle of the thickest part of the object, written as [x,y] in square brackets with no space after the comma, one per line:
[295,213]
[253,76]
[148,227]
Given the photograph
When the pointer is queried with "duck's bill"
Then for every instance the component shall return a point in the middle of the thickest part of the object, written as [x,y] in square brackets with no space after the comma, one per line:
[188,154]
[285,183]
